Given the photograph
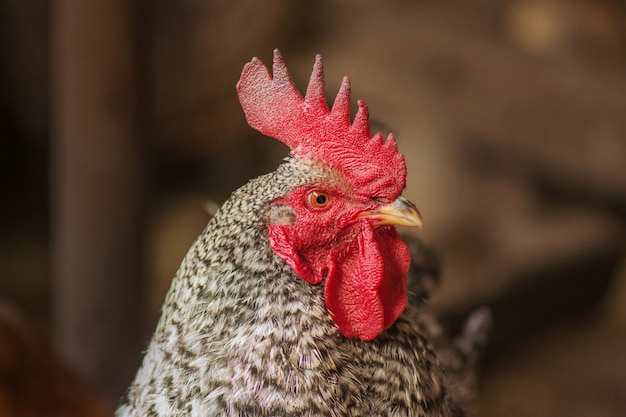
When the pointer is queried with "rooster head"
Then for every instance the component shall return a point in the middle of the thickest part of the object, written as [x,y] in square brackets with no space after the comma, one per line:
[338,228]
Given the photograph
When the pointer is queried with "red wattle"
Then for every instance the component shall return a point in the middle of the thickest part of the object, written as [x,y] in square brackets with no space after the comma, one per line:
[366,285]
[366,278]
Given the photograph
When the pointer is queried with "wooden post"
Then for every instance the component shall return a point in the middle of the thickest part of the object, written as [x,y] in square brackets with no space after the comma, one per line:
[97,191]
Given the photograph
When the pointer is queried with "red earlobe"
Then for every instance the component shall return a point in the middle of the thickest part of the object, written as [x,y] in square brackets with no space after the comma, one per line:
[283,243]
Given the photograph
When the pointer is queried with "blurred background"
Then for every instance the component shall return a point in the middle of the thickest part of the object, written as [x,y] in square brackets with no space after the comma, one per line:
[120,130]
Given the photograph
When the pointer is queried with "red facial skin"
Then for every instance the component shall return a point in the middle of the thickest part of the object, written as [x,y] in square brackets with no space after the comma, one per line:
[364,267]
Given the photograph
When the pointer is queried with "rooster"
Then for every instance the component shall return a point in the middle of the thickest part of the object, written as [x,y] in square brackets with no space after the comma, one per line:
[294,299]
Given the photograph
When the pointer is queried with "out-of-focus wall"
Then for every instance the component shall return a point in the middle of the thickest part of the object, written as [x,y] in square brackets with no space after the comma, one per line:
[511,116]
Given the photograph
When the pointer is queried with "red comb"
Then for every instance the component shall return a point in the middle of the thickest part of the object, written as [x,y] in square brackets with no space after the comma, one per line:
[273,105]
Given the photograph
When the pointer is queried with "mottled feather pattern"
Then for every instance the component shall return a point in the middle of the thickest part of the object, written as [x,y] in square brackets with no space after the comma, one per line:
[242,335]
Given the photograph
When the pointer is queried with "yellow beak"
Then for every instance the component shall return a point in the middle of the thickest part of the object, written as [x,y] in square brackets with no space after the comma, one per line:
[400,212]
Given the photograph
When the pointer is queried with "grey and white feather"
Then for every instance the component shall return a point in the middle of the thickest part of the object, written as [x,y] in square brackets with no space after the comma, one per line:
[242,335]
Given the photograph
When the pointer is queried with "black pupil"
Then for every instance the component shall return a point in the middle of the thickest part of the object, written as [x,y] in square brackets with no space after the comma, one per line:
[320,199]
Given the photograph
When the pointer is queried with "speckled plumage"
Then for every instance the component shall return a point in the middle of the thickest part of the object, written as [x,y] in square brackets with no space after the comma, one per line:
[241,335]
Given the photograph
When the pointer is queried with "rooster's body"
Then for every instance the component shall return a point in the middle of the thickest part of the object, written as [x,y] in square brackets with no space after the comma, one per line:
[292,304]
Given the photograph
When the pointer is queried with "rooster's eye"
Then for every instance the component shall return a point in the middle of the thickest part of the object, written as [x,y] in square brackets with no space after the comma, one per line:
[318,199]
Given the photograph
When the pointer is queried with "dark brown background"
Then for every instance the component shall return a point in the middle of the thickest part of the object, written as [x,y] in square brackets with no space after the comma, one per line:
[119,126]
